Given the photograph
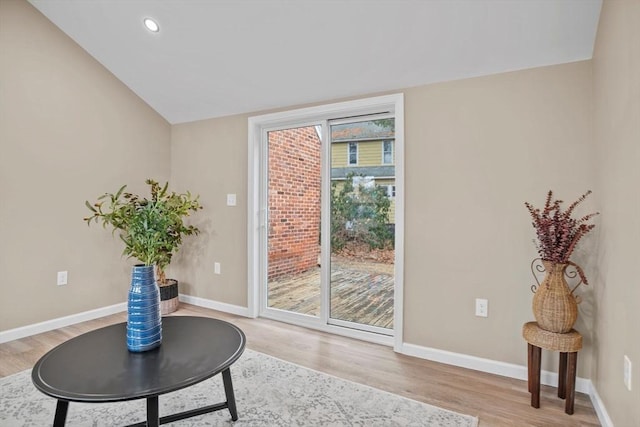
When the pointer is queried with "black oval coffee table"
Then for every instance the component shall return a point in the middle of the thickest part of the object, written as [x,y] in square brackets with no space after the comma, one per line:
[97,367]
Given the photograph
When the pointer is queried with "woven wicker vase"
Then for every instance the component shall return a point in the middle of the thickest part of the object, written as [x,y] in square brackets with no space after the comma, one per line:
[554,306]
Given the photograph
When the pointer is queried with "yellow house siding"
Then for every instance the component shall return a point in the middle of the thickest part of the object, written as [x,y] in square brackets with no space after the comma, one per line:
[339,154]
[369,154]
[392,211]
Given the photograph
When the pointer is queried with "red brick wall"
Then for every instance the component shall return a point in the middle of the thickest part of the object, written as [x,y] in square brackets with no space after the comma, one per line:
[294,201]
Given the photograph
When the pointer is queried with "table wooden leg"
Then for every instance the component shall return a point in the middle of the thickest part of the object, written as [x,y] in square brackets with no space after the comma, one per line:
[562,376]
[153,415]
[228,391]
[535,377]
[61,413]
[572,364]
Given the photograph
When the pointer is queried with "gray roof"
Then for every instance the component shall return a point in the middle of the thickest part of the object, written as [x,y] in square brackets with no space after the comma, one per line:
[374,171]
[361,131]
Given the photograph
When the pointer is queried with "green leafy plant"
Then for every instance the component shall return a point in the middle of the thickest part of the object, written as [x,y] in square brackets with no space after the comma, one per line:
[359,214]
[151,229]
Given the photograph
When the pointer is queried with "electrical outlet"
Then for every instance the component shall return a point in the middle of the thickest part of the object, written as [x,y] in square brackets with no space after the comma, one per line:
[231,199]
[482,307]
[627,372]
[62,278]
[216,268]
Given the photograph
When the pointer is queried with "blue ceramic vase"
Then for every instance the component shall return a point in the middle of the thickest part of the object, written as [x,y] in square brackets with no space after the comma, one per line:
[144,322]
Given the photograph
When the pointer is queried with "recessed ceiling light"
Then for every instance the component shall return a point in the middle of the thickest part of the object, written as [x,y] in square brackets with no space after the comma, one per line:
[151,25]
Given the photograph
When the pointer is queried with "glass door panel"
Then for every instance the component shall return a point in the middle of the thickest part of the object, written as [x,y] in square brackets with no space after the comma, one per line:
[293,220]
[362,224]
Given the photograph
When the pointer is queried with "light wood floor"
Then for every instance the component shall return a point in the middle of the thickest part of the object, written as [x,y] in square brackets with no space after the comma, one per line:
[497,401]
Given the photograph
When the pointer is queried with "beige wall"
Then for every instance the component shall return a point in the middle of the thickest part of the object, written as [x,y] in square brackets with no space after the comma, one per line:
[209,158]
[616,71]
[475,151]
[69,131]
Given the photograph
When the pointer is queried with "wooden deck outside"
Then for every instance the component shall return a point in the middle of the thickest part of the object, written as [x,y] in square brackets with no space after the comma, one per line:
[361,292]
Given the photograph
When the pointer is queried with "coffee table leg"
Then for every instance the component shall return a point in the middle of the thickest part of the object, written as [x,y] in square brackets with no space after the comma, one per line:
[153,416]
[61,413]
[228,391]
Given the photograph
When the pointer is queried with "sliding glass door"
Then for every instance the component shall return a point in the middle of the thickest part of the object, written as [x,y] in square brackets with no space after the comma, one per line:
[324,220]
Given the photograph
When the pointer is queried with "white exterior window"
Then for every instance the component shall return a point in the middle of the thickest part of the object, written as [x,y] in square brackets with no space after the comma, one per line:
[391,191]
[353,153]
[387,152]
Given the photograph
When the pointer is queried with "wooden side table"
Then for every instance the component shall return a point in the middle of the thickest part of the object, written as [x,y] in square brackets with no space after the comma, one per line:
[568,345]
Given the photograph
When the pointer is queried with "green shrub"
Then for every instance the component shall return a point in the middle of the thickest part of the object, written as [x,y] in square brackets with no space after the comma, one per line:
[359,214]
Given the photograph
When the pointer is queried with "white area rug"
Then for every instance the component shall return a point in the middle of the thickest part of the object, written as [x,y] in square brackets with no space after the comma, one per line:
[269,392]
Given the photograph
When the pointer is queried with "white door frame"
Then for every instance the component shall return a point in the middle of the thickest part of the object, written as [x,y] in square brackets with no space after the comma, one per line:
[256,209]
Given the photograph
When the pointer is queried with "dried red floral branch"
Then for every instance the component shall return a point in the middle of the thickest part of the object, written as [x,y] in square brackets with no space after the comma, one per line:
[580,273]
[557,232]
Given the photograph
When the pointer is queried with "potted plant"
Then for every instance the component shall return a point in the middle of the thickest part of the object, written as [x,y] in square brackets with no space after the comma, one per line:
[151,229]
[555,307]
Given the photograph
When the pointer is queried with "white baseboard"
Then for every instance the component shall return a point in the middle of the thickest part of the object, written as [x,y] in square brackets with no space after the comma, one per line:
[510,370]
[215,305]
[61,322]
[598,405]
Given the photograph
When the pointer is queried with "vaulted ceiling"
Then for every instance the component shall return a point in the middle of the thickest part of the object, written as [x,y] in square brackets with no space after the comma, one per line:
[214,58]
